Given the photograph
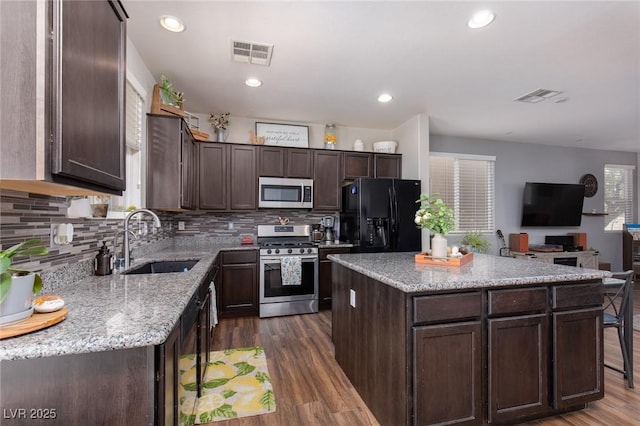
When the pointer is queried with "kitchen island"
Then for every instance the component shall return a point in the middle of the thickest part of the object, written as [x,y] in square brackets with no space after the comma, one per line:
[496,341]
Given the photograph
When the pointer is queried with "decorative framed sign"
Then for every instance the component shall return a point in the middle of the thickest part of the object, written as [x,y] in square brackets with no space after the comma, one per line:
[283,134]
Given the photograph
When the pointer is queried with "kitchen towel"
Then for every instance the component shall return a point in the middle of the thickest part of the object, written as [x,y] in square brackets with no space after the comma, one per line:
[291,270]
[214,308]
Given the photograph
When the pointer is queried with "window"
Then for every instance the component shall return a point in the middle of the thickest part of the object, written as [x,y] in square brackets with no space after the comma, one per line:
[466,184]
[618,196]
[134,116]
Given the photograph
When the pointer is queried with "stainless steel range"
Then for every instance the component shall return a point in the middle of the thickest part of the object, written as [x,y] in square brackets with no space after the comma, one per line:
[288,270]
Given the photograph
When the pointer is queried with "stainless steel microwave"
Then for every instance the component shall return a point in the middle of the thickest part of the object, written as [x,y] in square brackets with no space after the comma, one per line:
[285,193]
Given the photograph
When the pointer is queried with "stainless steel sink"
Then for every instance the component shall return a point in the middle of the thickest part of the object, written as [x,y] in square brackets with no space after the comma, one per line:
[162,267]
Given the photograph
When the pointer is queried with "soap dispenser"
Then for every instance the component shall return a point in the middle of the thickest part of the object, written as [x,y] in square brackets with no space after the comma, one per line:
[103,261]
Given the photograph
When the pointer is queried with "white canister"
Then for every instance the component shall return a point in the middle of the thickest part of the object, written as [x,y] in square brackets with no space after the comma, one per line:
[358,145]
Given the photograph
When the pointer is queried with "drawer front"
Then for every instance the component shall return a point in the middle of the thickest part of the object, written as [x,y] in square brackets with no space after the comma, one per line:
[446,307]
[324,252]
[239,256]
[518,301]
[577,295]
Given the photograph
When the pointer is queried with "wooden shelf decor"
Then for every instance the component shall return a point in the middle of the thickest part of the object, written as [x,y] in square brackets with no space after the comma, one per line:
[449,261]
[157,107]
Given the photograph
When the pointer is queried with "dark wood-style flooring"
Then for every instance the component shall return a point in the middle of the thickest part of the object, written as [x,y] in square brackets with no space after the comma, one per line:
[311,389]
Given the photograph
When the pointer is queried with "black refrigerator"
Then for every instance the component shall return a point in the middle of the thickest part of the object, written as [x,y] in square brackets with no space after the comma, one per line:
[378,215]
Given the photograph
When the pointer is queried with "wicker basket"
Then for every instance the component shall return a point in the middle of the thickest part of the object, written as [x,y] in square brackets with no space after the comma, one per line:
[385,146]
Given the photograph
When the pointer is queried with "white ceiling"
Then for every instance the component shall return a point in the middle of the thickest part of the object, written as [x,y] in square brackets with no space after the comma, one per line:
[332,59]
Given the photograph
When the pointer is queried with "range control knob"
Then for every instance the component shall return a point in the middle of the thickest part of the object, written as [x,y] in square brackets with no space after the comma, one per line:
[277,251]
[309,250]
[289,251]
[301,250]
[268,251]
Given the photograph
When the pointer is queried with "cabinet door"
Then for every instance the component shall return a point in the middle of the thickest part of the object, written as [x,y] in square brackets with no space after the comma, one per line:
[271,161]
[188,166]
[325,282]
[299,163]
[447,377]
[212,182]
[327,180]
[168,377]
[388,166]
[164,157]
[242,178]
[577,352]
[357,165]
[518,367]
[88,117]
[238,292]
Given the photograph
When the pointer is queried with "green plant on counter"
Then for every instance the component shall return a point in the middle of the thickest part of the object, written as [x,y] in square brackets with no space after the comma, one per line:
[24,248]
[434,214]
[477,241]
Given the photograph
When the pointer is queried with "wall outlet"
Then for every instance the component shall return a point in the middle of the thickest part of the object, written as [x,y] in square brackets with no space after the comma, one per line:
[231,225]
[352,298]
[180,225]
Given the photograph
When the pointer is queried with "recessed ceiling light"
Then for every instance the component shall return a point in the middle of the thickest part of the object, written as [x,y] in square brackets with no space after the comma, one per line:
[171,23]
[481,19]
[385,97]
[253,82]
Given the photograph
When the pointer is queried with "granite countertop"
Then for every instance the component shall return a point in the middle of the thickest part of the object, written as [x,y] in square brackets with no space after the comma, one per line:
[400,270]
[119,311]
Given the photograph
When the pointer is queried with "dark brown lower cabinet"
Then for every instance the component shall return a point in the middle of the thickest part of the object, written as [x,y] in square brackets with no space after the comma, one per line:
[168,361]
[237,289]
[577,353]
[447,374]
[325,281]
[518,372]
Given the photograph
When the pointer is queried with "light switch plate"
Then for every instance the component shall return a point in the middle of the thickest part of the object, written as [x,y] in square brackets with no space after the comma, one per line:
[352,298]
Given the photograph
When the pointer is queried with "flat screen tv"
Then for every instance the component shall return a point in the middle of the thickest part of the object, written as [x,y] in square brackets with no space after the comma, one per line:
[552,204]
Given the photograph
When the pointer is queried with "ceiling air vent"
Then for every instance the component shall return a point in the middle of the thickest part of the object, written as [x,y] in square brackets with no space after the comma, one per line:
[538,95]
[251,53]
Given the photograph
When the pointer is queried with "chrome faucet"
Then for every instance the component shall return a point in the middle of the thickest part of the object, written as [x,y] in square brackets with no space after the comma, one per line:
[119,256]
[156,223]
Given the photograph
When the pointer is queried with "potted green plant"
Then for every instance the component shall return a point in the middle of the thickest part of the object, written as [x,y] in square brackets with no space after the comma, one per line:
[17,286]
[437,217]
[169,95]
[476,241]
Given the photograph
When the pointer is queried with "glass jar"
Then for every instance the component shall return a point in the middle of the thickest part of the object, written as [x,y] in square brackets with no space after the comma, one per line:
[330,136]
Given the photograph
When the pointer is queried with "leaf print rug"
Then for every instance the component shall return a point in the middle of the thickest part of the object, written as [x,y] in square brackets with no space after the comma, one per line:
[236,384]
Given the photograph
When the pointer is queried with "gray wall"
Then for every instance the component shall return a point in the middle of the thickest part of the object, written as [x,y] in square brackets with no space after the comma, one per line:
[517,163]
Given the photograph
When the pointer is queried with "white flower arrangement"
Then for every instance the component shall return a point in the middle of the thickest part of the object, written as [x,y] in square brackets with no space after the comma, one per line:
[434,215]
[219,121]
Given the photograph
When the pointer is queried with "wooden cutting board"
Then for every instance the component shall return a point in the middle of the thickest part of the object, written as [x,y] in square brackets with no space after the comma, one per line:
[33,323]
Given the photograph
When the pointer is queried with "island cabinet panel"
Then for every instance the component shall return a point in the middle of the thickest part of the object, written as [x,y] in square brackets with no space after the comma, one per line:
[368,340]
[167,402]
[578,357]
[447,374]
[327,177]
[447,307]
[518,367]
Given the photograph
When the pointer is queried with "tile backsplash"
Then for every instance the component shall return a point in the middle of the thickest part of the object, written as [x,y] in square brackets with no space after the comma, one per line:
[24,216]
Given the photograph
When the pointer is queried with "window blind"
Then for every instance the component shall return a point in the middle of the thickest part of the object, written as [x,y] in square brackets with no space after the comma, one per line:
[618,195]
[134,118]
[466,184]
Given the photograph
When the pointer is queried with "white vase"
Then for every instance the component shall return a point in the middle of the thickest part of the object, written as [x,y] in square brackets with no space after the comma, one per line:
[19,297]
[220,134]
[438,246]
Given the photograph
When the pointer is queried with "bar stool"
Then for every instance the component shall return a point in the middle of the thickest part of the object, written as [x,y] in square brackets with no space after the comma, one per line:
[617,299]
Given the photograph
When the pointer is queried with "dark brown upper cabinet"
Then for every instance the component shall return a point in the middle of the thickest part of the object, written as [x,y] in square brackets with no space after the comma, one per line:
[327,180]
[357,164]
[274,161]
[63,133]
[172,164]
[388,166]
